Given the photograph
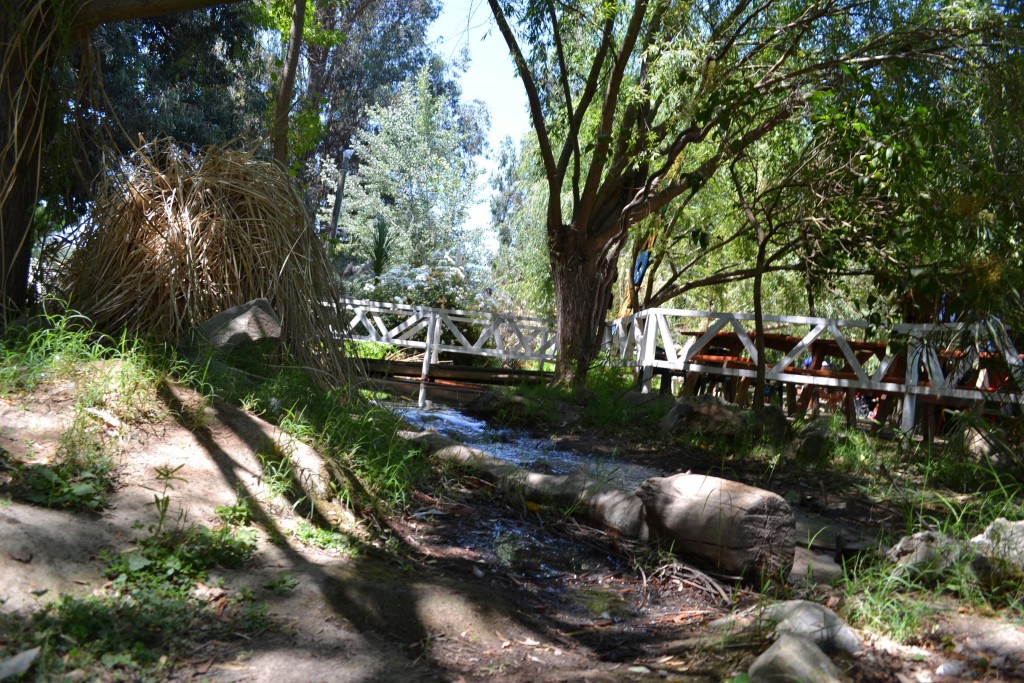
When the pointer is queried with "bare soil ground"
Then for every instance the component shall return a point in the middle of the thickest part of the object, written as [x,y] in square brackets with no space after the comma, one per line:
[471,586]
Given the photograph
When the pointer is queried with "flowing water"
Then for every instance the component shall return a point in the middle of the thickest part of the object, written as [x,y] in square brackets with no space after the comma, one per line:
[530,453]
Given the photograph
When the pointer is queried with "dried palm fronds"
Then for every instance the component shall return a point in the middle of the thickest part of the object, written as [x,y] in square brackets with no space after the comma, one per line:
[177,237]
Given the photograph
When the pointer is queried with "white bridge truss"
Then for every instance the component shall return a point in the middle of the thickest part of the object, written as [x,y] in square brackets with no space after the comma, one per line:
[436,330]
[949,361]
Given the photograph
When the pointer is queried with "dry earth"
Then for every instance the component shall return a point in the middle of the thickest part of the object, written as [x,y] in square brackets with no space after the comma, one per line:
[471,586]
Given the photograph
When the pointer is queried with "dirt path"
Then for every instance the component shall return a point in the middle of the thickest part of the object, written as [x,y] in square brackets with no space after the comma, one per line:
[471,587]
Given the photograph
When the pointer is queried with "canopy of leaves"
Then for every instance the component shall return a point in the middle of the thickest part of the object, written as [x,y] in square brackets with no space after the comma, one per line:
[417,179]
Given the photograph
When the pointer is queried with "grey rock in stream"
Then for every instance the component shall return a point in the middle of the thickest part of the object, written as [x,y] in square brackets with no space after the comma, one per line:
[813,621]
[793,658]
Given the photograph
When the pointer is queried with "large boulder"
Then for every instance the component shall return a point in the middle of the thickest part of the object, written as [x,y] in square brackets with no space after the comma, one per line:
[707,415]
[794,658]
[247,323]
[735,528]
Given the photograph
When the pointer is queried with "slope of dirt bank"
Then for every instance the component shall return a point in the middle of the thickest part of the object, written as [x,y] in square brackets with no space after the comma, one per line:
[414,614]
[464,586]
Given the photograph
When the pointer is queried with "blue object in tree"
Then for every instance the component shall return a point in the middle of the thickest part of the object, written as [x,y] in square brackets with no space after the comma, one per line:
[643,259]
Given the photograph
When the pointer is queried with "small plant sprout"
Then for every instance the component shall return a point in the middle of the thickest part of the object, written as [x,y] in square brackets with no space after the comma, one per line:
[166,475]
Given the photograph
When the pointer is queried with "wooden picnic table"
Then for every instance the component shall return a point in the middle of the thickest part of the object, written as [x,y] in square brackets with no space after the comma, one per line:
[728,350]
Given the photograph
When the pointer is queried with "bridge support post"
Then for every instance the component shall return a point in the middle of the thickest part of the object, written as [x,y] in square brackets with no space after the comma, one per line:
[430,355]
[913,374]
[648,351]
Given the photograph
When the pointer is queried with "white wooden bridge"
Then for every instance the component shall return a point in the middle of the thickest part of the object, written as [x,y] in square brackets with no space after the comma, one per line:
[951,364]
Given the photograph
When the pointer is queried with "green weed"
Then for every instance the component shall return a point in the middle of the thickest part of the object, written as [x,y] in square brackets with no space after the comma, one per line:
[601,408]
[282,583]
[124,638]
[81,478]
[278,478]
[324,539]
[885,602]
[239,514]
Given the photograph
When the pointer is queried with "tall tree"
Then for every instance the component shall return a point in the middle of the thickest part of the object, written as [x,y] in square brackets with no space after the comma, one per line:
[385,44]
[417,172]
[638,105]
[286,83]
[197,76]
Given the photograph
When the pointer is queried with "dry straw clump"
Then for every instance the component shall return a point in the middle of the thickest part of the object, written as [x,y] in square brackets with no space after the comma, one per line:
[177,237]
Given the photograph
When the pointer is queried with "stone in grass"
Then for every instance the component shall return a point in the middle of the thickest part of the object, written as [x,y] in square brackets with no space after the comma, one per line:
[793,658]
[705,415]
[925,556]
[999,553]
[772,425]
[815,447]
[247,323]
[813,621]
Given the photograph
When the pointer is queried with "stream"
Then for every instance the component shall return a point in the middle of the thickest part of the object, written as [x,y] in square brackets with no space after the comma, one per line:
[817,535]
[529,452]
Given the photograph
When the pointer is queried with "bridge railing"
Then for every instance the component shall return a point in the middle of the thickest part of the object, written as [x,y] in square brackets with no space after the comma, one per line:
[436,330]
[943,360]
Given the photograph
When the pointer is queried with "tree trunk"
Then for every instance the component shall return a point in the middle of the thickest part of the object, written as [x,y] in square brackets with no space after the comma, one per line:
[734,528]
[583,272]
[759,382]
[23,113]
[284,95]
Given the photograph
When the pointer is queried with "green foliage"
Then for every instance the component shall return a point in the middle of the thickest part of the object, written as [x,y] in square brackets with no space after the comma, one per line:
[239,514]
[601,408]
[53,487]
[379,247]
[282,583]
[885,602]
[127,637]
[358,435]
[410,197]
[174,560]
[59,345]
[522,270]
[115,383]
[324,539]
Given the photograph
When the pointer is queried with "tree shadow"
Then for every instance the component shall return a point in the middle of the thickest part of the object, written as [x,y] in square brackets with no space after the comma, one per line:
[390,601]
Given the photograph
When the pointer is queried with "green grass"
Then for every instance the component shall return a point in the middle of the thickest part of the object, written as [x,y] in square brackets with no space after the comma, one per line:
[600,409]
[883,602]
[114,381]
[119,638]
[324,539]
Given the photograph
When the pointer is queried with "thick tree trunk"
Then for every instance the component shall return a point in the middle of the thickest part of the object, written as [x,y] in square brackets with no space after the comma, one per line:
[583,272]
[735,528]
